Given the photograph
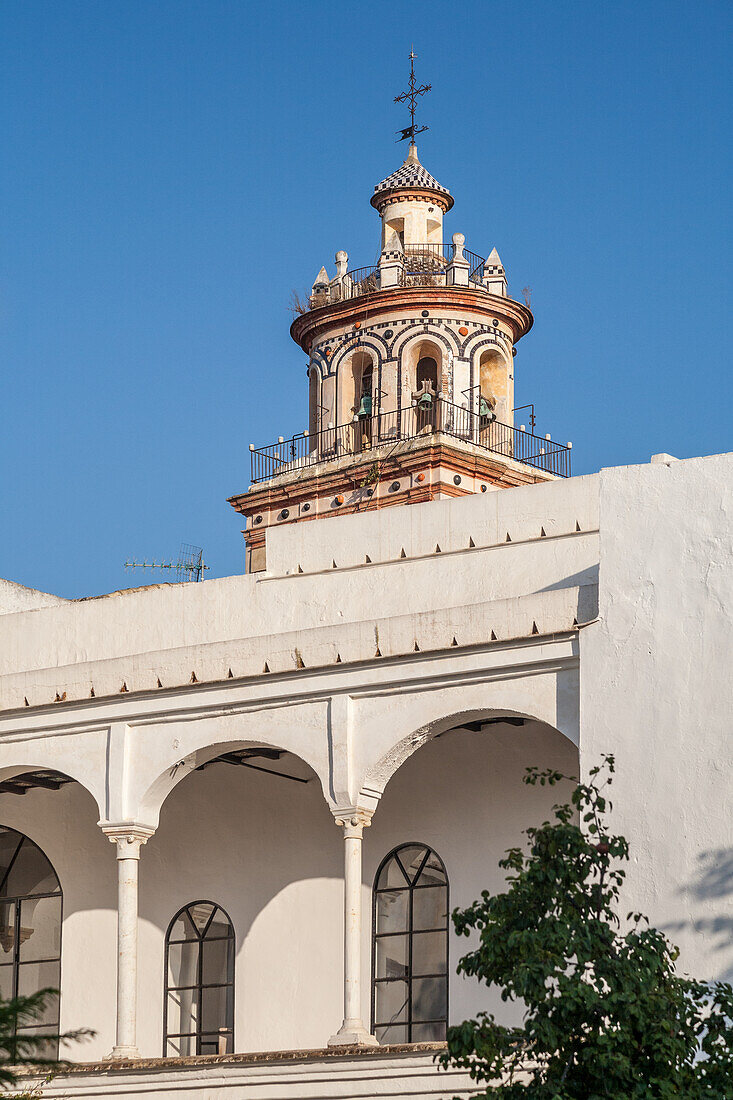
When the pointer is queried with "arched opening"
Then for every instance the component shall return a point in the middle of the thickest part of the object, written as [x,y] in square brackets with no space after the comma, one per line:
[393,225]
[248,830]
[496,400]
[313,407]
[198,1008]
[464,780]
[30,929]
[422,369]
[356,399]
[410,946]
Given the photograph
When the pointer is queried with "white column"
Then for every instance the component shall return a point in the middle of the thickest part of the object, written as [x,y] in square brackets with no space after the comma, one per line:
[352,1031]
[129,838]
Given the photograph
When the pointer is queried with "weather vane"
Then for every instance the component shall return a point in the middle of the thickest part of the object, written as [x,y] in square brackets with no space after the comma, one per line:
[411,97]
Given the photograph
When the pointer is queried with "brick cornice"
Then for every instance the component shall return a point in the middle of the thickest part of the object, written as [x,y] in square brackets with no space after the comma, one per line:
[306,328]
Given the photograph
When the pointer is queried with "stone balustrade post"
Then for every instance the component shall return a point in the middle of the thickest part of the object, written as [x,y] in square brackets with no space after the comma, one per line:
[352,1031]
[129,838]
[458,269]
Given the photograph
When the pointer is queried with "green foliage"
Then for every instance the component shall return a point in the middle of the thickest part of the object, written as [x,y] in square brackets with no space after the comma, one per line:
[605,1017]
[27,1049]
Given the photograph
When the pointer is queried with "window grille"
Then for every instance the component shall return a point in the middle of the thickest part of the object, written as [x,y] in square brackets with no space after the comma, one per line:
[410,947]
[30,931]
[198,1014]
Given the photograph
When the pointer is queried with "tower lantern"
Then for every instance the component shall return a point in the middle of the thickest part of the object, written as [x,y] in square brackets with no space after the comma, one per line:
[410,373]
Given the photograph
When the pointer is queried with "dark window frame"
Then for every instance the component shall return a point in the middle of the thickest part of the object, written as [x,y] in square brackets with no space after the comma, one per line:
[16,901]
[199,986]
[409,933]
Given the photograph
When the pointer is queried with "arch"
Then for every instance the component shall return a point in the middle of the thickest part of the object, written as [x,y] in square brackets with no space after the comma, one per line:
[198,1004]
[417,331]
[31,902]
[177,769]
[379,774]
[410,906]
[421,371]
[492,366]
[33,764]
[356,373]
[366,341]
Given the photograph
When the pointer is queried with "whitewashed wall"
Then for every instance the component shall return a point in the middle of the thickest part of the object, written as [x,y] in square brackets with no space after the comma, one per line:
[657,690]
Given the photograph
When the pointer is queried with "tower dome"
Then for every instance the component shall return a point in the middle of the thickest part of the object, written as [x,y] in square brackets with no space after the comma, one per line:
[411,180]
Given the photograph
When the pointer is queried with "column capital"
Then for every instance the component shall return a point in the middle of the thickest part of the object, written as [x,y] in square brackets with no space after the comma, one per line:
[129,836]
[353,821]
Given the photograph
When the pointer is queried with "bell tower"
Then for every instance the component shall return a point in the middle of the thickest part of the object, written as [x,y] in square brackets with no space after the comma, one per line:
[410,374]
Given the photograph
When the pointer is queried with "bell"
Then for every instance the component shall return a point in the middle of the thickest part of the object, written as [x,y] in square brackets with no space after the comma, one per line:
[484,409]
[425,402]
[365,405]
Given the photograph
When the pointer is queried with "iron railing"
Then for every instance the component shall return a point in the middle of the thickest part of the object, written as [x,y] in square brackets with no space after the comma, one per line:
[425,265]
[389,428]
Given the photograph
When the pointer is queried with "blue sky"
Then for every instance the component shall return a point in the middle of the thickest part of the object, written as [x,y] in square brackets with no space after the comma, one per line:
[172,170]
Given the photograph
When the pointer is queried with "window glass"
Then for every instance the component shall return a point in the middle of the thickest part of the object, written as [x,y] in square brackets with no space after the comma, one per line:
[410,986]
[199,1004]
[30,930]
[31,873]
[40,928]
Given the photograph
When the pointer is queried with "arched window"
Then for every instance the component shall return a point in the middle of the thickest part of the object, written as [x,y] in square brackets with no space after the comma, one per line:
[30,929]
[199,982]
[410,947]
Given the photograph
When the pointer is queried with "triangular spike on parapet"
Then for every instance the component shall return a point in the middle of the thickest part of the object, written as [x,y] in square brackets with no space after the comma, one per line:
[333,564]
[494,257]
[159,683]
[194,678]
[577,525]
[416,648]
[321,278]
[338,658]
[508,537]
[454,642]
[230,675]
[471,543]
[494,637]
[367,560]
[300,568]
[437,549]
[575,622]
[378,652]
[91,692]
[299,662]
[402,553]
[25,702]
[534,628]
[124,687]
[543,533]
[266,668]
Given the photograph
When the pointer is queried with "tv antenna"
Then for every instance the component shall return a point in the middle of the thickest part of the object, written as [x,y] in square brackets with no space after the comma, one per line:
[410,96]
[189,566]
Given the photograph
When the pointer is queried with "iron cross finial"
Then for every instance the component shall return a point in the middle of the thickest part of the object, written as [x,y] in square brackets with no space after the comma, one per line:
[410,97]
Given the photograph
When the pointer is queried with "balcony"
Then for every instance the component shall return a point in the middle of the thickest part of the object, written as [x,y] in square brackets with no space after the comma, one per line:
[388,429]
[424,265]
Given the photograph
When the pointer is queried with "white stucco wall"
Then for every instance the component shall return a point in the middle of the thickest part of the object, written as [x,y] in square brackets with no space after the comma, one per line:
[657,690]
[16,597]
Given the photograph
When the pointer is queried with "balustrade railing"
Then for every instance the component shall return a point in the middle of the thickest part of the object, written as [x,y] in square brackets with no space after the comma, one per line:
[390,428]
[424,265]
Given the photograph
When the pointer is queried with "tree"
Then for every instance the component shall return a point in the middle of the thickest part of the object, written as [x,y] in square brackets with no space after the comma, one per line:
[606,1016]
[23,1048]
